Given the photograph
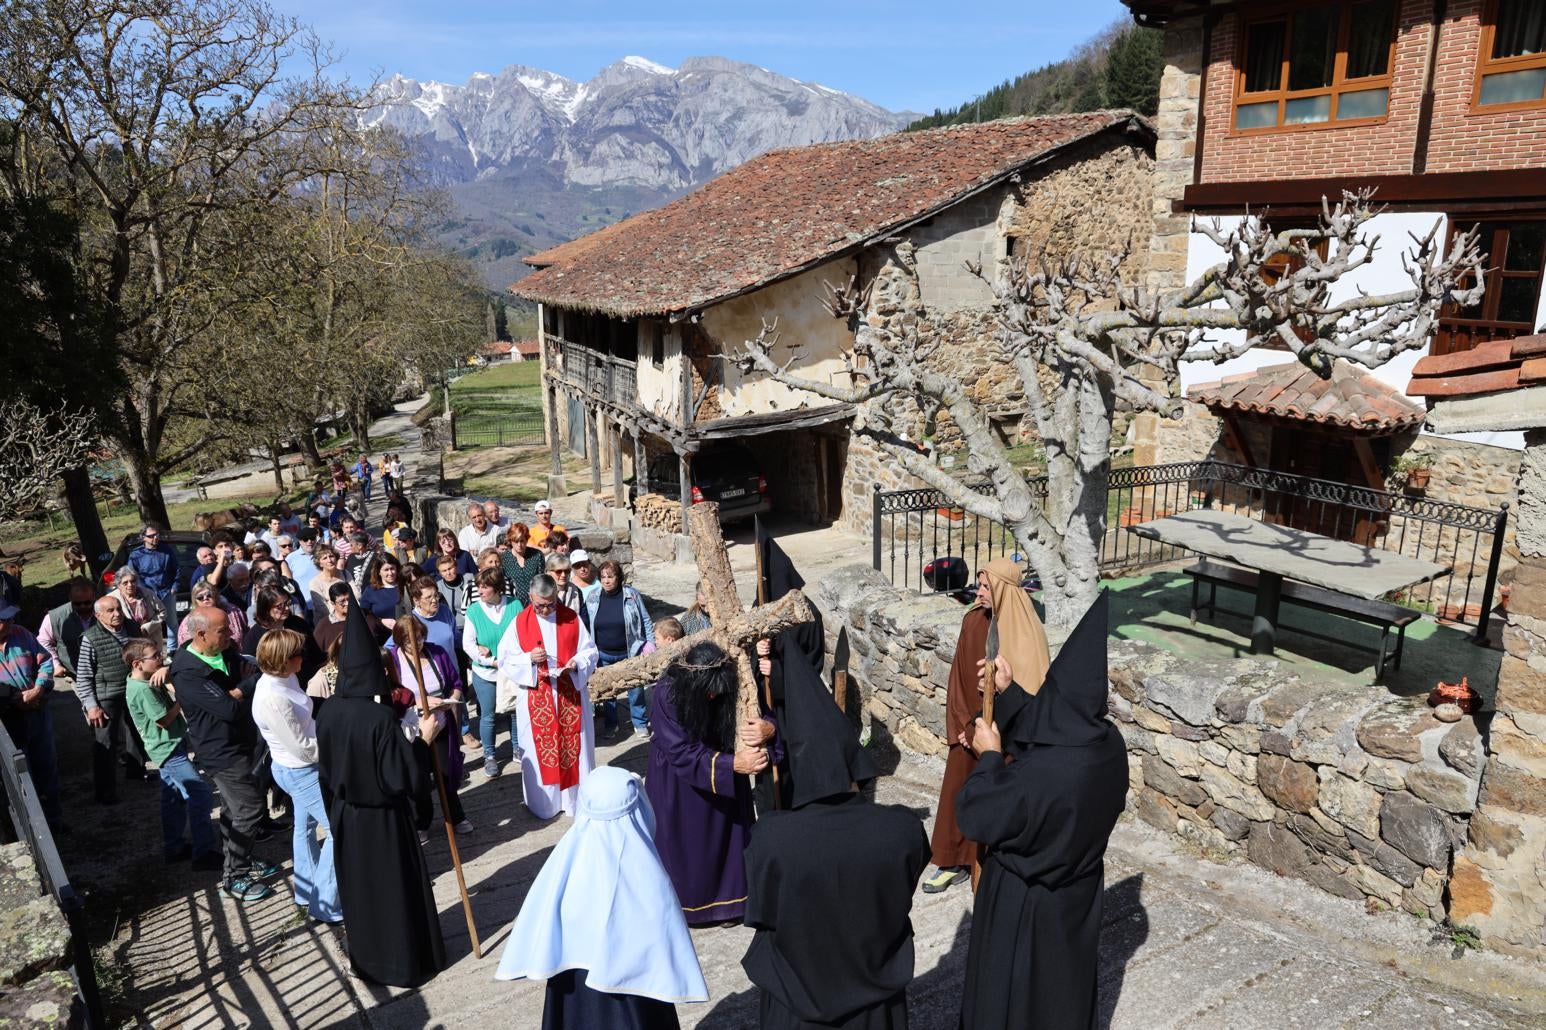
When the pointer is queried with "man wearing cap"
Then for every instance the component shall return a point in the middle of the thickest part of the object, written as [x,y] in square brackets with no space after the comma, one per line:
[26,680]
[582,574]
[543,511]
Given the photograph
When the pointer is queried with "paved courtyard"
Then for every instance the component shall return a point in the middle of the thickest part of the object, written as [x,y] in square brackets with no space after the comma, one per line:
[1188,942]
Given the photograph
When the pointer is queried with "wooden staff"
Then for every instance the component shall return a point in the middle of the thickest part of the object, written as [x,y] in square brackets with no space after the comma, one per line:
[990,652]
[445,808]
[767,681]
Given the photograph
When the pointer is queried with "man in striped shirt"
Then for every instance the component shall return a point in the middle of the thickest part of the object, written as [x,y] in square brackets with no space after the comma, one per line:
[26,681]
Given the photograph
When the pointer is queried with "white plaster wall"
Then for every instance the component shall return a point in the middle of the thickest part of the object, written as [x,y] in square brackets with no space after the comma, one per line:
[804,326]
[660,389]
[1382,275]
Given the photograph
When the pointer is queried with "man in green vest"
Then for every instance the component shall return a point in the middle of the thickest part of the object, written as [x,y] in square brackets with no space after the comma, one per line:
[101,682]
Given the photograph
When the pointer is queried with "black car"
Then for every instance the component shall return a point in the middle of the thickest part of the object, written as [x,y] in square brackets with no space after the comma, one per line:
[726,473]
[187,544]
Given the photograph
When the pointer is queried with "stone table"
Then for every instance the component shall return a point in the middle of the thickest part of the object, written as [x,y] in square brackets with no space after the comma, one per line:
[1283,552]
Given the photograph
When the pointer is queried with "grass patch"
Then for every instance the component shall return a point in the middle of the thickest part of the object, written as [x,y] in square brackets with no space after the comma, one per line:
[517,474]
[39,541]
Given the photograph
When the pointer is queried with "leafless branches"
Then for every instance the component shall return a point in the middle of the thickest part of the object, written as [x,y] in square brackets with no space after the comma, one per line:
[36,448]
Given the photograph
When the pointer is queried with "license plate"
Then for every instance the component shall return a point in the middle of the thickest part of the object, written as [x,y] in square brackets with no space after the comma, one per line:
[732,493]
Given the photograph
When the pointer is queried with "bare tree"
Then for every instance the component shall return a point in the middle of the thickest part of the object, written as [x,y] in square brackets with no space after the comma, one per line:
[37,448]
[1084,343]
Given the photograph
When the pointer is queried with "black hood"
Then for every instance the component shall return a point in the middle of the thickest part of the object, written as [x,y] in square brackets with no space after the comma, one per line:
[1070,708]
[360,674]
[779,576]
[825,756]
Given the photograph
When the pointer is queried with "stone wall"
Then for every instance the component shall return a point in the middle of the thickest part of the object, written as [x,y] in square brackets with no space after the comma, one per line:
[1499,882]
[35,949]
[1361,793]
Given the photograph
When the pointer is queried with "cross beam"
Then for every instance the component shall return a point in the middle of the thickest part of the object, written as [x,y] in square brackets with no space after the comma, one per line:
[734,629]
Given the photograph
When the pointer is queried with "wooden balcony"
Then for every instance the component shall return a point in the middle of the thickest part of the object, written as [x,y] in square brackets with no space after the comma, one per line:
[610,378]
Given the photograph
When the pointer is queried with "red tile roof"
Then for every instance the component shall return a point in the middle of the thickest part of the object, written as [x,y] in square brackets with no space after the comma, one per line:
[496,347]
[788,210]
[528,348]
[1490,368]
[1349,399]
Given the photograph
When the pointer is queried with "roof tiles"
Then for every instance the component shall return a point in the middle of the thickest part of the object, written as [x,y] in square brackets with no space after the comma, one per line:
[791,209]
[1491,368]
[1348,400]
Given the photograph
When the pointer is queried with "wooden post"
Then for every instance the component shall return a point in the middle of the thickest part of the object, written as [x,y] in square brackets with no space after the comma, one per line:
[594,438]
[767,681]
[619,498]
[684,479]
[555,444]
[641,470]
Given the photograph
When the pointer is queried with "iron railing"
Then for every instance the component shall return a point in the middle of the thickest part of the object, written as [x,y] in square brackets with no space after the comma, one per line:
[520,429]
[911,528]
[25,810]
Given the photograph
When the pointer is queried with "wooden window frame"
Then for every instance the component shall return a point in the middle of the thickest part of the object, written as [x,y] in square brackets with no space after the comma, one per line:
[1339,83]
[1486,65]
[1486,329]
[1280,264]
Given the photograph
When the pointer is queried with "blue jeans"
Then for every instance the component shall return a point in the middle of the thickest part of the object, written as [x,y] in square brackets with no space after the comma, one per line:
[185,799]
[316,883]
[488,726]
[365,488]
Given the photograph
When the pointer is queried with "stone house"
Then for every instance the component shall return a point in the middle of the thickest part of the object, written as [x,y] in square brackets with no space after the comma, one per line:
[640,321]
[1439,106]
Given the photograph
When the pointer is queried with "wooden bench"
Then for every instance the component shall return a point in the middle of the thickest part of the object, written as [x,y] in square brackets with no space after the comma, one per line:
[1383,614]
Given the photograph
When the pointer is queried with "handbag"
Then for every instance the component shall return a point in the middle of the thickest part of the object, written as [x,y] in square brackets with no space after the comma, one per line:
[507,696]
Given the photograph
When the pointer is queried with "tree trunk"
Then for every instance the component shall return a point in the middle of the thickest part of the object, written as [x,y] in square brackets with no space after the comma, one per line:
[279,472]
[88,521]
[146,484]
[306,443]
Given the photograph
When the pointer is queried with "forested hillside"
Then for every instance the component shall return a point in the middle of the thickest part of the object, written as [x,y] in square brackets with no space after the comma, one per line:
[1118,68]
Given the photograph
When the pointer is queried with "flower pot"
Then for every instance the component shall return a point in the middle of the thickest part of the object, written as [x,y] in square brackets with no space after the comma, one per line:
[953,514]
[1459,694]
[1417,479]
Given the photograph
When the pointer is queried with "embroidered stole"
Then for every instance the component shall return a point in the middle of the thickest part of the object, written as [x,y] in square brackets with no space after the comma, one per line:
[555,728]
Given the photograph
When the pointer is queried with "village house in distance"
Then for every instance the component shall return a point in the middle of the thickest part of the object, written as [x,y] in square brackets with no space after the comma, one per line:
[638,319]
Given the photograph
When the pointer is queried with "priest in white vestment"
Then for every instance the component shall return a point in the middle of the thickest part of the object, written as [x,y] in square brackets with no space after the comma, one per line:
[548,655]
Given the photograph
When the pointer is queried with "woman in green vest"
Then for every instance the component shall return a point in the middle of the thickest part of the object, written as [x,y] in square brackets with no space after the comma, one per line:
[487,619]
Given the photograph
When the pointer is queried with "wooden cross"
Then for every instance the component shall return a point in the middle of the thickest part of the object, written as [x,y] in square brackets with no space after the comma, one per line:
[734,629]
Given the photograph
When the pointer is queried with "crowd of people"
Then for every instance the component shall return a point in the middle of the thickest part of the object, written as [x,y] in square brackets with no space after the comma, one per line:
[332,683]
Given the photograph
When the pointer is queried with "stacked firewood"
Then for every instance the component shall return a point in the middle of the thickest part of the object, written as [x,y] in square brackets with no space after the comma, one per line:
[653,511]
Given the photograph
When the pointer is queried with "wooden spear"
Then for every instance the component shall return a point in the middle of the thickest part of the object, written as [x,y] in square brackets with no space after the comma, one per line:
[990,652]
[412,647]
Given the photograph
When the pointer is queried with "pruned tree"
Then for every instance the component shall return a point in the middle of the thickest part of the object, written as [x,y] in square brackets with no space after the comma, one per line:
[1085,342]
[37,448]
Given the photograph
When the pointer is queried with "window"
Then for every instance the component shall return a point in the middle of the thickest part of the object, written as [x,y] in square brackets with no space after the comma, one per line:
[658,344]
[1512,68]
[1516,254]
[1316,65]
[1284,264]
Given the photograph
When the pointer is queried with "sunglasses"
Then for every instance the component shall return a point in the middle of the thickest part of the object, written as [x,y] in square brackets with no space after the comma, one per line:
[544,606]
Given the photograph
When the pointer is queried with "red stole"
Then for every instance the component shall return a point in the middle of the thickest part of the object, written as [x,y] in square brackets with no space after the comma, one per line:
[555,731]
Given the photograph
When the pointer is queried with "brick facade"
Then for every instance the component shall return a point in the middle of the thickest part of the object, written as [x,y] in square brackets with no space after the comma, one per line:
[1460,139]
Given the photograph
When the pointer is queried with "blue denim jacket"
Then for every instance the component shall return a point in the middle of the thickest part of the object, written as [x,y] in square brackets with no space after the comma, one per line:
[636,620]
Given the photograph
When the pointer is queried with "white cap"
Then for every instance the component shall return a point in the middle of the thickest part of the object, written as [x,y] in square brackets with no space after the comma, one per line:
[576,557]
[542,506]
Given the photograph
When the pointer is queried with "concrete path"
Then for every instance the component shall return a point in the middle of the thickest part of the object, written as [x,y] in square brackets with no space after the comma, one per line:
[1186,942]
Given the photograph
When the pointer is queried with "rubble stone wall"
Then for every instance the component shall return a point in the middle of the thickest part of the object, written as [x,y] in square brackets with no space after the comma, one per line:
[1360,793]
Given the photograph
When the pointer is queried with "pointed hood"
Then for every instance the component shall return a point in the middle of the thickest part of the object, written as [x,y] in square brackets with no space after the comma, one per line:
[1070,709]
[779,576]
[360,674]
[825,756]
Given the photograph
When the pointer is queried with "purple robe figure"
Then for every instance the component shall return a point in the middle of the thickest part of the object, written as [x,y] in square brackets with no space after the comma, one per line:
[703,807]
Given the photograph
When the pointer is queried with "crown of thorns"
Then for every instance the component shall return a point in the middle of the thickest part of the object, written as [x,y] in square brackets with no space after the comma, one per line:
[705,667]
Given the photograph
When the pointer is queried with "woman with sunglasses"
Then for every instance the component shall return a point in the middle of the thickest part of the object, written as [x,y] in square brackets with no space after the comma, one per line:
[207,596]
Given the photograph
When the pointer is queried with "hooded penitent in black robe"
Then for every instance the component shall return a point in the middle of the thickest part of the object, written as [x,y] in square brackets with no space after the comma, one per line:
[369,779]
[830,891]
[1045,818]
[822,751]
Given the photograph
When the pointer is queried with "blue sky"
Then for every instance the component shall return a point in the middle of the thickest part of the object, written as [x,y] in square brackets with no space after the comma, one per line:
[899,55]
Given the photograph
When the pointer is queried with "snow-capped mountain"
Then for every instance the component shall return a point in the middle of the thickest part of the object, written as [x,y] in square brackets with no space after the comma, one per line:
[637,123]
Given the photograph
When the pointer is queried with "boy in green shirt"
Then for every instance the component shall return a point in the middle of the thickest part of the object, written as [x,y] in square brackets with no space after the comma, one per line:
[185,797]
